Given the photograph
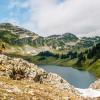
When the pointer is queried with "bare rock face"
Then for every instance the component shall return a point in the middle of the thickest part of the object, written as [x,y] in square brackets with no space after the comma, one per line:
[17,68]
[95,85]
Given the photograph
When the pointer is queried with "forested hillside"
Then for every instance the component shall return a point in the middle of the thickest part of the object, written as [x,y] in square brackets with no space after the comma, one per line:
[87,60]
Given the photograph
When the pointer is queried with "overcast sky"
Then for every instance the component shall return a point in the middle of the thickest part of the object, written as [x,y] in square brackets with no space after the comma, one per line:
[47,17]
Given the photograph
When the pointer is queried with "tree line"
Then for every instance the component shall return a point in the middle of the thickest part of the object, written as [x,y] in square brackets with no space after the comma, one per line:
[91,53]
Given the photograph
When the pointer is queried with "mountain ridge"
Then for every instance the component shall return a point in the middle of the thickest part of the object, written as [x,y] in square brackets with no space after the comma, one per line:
[27,37]
[20,37]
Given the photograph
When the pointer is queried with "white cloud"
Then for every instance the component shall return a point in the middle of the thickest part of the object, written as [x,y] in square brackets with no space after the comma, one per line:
[52,17]
[76,16]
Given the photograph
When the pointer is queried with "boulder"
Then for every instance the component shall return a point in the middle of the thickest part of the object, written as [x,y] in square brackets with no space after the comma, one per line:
[18,68]
[95,85]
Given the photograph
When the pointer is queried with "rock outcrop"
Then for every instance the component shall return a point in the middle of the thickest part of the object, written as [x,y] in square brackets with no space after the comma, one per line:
[19,70]
[95,85]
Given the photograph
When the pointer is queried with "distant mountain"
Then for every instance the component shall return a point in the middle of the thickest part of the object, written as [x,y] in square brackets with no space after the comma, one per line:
[93,34]
[17,30]
[24,37]
[87,42]
[56,41]
[15,36]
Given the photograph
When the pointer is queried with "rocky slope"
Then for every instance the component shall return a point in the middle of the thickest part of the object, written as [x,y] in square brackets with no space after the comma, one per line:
[20,80]
[17,69]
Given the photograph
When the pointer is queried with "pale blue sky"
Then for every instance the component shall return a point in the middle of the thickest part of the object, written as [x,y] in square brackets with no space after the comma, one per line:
[11,11]
[47,17]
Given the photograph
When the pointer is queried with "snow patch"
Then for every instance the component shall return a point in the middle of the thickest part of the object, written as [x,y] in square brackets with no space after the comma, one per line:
[89,92]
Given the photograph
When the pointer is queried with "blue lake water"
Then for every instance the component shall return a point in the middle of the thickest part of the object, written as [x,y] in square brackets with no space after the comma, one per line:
[79,79]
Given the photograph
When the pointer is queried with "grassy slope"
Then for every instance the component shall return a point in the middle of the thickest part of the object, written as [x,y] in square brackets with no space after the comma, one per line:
[29,90]
[95,68]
